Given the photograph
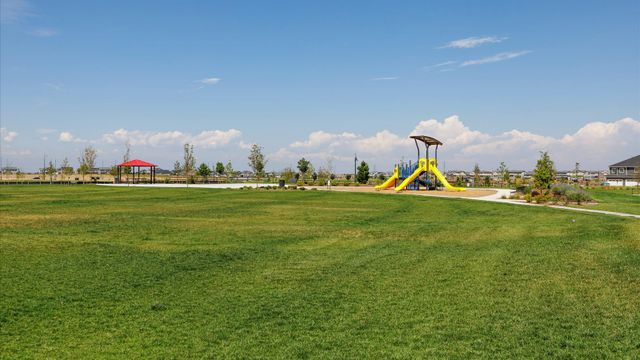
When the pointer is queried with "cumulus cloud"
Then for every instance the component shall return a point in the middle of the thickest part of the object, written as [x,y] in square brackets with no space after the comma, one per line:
[206,139]
[66,136]
[473,41]
[594,145]
[7,135]
[496,58]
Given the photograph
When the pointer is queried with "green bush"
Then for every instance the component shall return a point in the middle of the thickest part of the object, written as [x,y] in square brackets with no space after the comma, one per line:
[528,197]
[567,193]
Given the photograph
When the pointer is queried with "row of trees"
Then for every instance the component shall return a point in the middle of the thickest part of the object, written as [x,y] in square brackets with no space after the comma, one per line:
[544,174]
[87,161]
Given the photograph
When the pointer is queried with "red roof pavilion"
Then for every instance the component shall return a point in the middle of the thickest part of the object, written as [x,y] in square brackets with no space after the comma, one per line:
[136,163]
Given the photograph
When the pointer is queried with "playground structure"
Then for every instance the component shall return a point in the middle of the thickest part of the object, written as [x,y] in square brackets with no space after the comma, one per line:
[412,176]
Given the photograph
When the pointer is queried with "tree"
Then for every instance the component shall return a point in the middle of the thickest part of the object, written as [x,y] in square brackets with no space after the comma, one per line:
[503,173]
[363,173]
[228,170]
[219,168]
[66,169]
[189,164]
[314,176]
[545,173]
[288,174]
[257,161]
[113,171]
[19,175]
[204,171]
[487,181]
[476,175]
[50,170]
[303,167]
[87,161]
[83,169]
[177,168]
[348,177]
[126,157]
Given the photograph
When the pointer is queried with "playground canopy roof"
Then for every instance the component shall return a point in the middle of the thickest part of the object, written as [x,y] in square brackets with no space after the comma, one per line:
[426,139]
[137,162]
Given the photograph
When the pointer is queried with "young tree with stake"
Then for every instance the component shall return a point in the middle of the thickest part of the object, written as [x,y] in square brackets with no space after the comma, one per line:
[87,161]
[257,161]
[189,164]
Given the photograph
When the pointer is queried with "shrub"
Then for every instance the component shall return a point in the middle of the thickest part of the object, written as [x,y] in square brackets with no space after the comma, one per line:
[542,198]
[567,193]
[578,195]
[527,198]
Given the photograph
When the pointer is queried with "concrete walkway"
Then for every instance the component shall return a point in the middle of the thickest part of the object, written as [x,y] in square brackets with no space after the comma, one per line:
[497,197]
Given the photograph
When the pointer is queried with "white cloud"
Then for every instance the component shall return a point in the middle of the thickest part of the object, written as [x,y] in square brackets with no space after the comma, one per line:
[496,58]
[594,145]
[451,129]
[207,82]
[439,65]
[206,139]
[66,136]
[44,32]
[322,138]
[12,11]
[53,86]
[472,42]
[7,135]
[385,78]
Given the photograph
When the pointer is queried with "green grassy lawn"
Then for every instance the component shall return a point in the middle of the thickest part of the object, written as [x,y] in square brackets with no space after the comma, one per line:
[620,200]
[98,272]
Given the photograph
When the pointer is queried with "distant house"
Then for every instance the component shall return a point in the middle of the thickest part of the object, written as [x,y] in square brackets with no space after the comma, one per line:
[625,172]
[10,170]
[163,171]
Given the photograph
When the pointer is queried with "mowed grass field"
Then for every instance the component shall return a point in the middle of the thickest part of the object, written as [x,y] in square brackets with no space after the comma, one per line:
[99,272]
[620,200]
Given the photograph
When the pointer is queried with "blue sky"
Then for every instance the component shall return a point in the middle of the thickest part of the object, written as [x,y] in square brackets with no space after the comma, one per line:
[321,79]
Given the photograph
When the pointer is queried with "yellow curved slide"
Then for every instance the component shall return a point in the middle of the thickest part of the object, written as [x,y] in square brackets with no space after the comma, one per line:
[391,182]
[442,179]
[422,168]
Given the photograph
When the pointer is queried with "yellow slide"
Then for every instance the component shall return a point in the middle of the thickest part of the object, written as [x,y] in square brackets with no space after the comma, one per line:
[441,177]
[390,181]
[421,169]
[408,180]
